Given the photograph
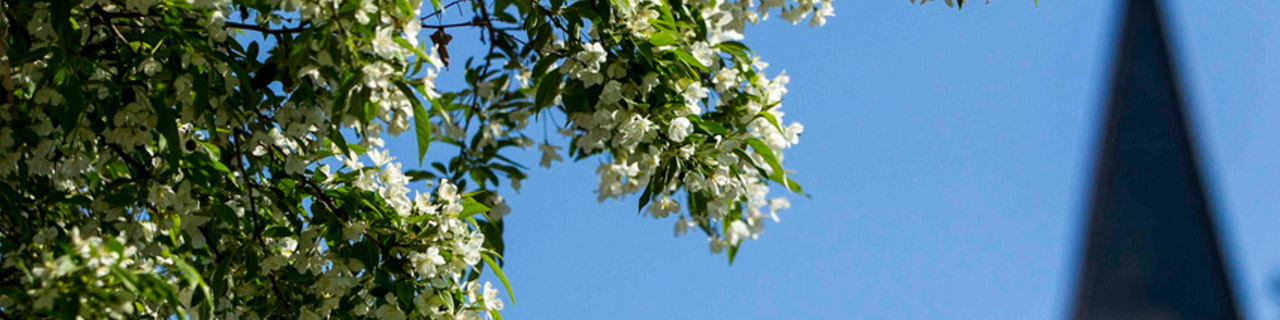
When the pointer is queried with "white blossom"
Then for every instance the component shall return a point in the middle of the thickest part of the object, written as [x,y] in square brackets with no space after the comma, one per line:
[593,54]
[679,129]
[736,232]
[491,300]
[232,193]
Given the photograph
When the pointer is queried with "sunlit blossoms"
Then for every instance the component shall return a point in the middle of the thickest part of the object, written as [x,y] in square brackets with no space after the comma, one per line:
[187,175]
[683,111]
[229,159]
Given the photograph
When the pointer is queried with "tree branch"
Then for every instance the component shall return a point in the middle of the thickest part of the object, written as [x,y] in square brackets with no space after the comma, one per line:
[143,172]
[4,57]
[254,27]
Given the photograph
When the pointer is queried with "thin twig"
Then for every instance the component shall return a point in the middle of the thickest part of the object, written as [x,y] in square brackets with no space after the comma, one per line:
[476,23]
[262,29]
[442,9]
[119,35]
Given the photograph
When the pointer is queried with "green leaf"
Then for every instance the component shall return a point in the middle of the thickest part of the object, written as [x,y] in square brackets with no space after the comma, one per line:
[734,46]
[736,49]
[277,231]
[492,231]
[689,59]
[471,207]
[421,121]
[548,87]
[357,149]
[405,44]
[772,120]
[733,253]
[438,105]
[418,175]
[337,138]
[766,153]
[193,277]
[69,307]
[622,6]
[167,124]
[366,252]
[663,38]
[540,68]
[501,276]
[795,187]
[74,106]
[708,126]
[645,196]
[125,278]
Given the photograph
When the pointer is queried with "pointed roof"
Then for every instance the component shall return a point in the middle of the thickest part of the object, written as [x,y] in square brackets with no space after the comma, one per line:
[1151,251]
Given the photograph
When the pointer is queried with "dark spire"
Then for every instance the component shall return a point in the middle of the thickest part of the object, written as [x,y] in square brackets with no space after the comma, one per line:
[1151,251]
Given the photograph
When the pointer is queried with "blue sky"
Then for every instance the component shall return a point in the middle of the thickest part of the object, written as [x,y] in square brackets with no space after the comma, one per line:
[948,155]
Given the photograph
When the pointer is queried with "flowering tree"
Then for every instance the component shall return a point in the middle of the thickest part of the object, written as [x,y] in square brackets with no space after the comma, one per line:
[224,158]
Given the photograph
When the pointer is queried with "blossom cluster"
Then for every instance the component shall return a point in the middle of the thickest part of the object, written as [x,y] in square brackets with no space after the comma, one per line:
[175,165]
[707,122]
[226,158]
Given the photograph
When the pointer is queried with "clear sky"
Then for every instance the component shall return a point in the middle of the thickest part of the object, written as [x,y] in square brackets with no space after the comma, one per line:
[948,155]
